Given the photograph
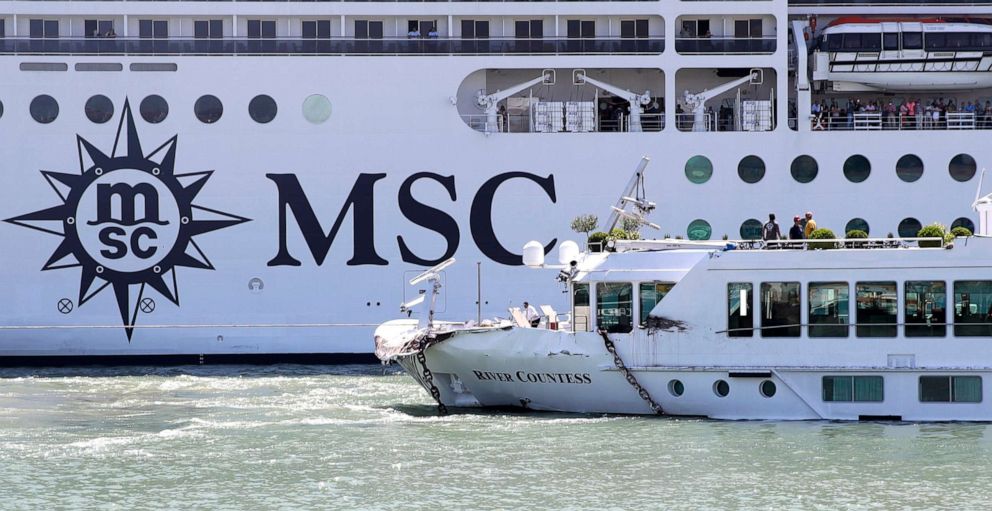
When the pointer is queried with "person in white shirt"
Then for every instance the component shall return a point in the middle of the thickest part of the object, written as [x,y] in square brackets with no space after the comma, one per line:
[532,315]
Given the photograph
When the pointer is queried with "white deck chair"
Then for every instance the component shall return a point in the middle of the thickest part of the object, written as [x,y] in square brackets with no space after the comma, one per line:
[518,318]
[550,313]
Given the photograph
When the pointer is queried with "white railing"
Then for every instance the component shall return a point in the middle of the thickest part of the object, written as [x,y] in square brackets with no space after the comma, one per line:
[880,121]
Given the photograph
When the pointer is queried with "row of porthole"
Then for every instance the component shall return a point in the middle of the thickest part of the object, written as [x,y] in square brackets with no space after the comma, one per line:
[804,168]
[721,388]
[750,229]
[154,109]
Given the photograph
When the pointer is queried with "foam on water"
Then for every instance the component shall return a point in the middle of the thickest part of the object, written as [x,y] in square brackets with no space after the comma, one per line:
[351,437]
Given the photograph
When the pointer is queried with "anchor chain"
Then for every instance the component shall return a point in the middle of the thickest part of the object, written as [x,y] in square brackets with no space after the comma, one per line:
[429,378]
[617,361]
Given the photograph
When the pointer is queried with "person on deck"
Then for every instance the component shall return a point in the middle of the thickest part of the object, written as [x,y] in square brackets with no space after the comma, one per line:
[532,315]
[810,224]
[771,231]
[796,232]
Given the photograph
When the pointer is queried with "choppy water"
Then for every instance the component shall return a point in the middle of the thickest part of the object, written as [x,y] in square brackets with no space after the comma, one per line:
[352,438]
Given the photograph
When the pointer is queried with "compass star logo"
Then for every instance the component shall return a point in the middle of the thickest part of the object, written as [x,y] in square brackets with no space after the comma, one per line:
[127,219]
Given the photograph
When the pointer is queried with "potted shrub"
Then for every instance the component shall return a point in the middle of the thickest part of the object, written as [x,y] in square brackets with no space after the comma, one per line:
[822,234]
[961,232]
[934,230]
[856,234]
[597,241]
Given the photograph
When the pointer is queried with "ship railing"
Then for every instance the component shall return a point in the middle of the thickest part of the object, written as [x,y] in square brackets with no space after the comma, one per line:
[760,120]
[719,45]
[902,122]
[331,46]
[524,123]
[847,243]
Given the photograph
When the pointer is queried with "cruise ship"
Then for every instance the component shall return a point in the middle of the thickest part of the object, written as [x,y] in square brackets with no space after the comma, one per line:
[200,181]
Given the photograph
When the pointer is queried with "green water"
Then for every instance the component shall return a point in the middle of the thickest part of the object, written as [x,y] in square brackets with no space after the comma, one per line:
[291,437]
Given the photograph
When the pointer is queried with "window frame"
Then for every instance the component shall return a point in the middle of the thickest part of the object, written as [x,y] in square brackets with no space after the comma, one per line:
[787,329]
[740,331]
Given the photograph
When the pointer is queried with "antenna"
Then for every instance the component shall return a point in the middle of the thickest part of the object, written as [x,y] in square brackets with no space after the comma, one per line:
[978,192]
[433,276]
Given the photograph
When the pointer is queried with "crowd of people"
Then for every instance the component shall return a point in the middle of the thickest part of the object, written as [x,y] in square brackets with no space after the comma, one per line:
[896,113]
[802,227]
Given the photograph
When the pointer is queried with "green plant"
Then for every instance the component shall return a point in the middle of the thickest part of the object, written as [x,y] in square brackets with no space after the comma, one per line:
[585,224]
[619,234]
[822,234]
[632,226]
[961,232]
[855,234]
[597,241]
[934,230]
[725,237]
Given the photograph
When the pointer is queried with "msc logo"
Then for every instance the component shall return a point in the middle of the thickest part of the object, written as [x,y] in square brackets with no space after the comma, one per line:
[127,220]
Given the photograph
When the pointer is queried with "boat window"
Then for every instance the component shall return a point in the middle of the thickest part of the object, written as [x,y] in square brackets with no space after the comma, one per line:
[912,40]
[829,309]
[973,308]
[699,230]
[877,313]
[804,168]
[44,109]
[935,41]
[909,227]
[834,42]
[871,42]
[958,222]
[852,42]
[651,293]
[890,42]
[962,167]
[751,229]
[154,109]
[751,169]
[262,108]
[740,305]
[857,168]
[981,41]
[853,388]
[316,108]
[99,109]
[951,389]
[580,306]
[698,169]
[909,168]
[780,309]
[1,108]
[857,224]
[958,41]
[208,109]
[615,307]
[925,308]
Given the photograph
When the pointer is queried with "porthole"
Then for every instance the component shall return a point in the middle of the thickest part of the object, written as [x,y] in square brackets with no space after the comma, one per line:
[316,108]
[909,228]
[262,109]
[676,388]
[767,388]
[909,168]
[751,169]
[721,388]
[1,108]
[964,222]
[99,109]
[751,229]
[857,224]
[699,169]
[962,167]
[44,109]
[804,168]
[857,168]
[208,109]
[154,109]
[699,229]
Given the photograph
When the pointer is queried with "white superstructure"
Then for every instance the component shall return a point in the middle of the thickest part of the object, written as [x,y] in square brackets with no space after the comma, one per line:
[287,166]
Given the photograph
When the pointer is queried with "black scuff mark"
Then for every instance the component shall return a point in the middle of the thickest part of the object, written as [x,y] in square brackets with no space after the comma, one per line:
[661,323]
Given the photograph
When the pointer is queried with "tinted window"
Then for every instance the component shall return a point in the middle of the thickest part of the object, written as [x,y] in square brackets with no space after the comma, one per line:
[650,294]
[871,42]
[262,108]
[699,229]
[835,42]
[1,108]
[926,308]
[208,109]
[909,228]
[935,41]
[615,306]
[698,169]
[909,168]
[829,309]
[857,168]
[890,42]
[951,389]
[154,109]
[580,302]
[852,41]
[973,308]
[44,109]
[751,229]
[964,222]
[780,309]
[962,167]
[853,388]
[912,40]
[804,169]
[856,224]
[751,169]
[99,109]
[877,314]
[740,309]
